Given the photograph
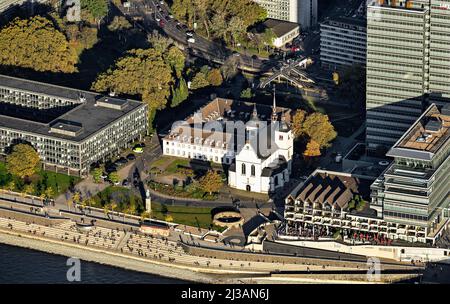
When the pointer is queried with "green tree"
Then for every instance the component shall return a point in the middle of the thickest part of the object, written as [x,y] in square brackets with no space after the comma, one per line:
[36,44]
[215,77]
[246,93]
[180,93]
[159,42]
[268,37]
[119,23]
[97,8]
[211,182]
[23,161]
[97,175]
[176,59]
[29,189]
[318,127]
[113,177]
[49,192]
[199,81]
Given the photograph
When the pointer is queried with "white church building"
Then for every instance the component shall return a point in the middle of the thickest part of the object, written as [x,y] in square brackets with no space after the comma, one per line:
[254,142]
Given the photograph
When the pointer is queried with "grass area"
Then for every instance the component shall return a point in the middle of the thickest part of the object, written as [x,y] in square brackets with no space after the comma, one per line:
[190,216]
[40,181]
[178,162]
[170,164]
[119,199]
[189,191]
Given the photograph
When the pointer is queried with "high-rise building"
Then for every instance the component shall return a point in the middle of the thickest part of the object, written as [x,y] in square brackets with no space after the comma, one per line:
[342,42]
[408,64]
[303,12]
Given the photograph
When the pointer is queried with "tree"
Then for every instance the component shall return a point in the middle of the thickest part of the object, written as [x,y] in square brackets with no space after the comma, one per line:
[312,149]
[36,44]
[97,8]
[29,189]
[49,193]
[119,23]
[211,182]
[97,175]
[11,186]
[297,123]
[176,59]
[180,93]
[76,197]
[139,72]
[199,81]
[318,127]
[168,218]
[268,37]
[246,93]
[113,177]
[215,77]
[236,27]
[159,42]
[23,161]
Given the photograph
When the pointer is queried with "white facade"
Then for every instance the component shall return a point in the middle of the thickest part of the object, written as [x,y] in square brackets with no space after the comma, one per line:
[259,158]
[303,12]
[279,42]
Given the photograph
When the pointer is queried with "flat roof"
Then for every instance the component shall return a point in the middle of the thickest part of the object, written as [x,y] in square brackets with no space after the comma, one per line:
[426,136]
[354,21]
[279,27]
[86,118]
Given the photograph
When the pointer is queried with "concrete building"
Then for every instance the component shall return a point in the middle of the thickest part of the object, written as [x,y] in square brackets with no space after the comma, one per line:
[284,31]
[407,64]
[70,129]
[410,201]
[303,12]
[342,42]
[254,142]
[414,189]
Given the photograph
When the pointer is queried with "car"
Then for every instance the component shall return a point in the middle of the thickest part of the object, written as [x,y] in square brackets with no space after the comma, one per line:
[161,2]
[157,19]
[383,163]
[122,161]
[125,183]
[178,23]
[138,150]
[190,33]
[162,23]
[135,183]
[135,175]
[191,40]
[131,156]
[236,54]
[170,16]
[111,168]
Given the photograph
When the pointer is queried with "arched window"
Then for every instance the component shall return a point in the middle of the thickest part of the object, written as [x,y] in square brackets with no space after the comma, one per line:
[243,169]
[253,170]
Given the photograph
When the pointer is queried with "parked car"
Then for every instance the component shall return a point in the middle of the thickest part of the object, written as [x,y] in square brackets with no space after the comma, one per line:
[125,183]
[191,40]
[138,150]
[190,33]
[111,168]
[131,156]
[122,161]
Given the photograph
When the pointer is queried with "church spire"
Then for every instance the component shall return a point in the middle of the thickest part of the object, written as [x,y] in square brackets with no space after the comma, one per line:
[255,113]
[274,107]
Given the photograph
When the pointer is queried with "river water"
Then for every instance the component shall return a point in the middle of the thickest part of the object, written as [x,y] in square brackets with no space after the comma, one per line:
[20,265]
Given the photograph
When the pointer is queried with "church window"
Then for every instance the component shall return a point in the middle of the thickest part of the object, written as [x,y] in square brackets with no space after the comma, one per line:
[253,170]
[243,169]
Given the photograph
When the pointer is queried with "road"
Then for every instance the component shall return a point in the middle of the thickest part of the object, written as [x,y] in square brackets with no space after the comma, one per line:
[151,14]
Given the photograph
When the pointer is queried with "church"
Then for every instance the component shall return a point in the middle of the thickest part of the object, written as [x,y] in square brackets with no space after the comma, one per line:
[253,142]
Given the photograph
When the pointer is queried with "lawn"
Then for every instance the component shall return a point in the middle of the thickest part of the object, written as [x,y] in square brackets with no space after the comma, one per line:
[190,216]
[40,181]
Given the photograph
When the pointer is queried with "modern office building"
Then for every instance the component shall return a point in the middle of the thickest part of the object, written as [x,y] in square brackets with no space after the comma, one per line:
[342,42]
[408,64]
[410,201]
[70,129]
[303,12]
[253,141]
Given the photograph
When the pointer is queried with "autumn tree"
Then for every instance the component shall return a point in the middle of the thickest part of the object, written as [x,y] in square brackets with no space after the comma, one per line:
[176,59]
[199,81]
[211,182]
[215,77]
[246,93]
[119,23]
[23,161]
[180,93]
[36,44]
[312,149]
[158,42]
[113,177]
[139,72]
[297,123]
[97,175]
[319,128]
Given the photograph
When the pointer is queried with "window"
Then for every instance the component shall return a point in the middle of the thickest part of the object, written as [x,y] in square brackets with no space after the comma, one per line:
[253,170]
[280,137]
[243,169]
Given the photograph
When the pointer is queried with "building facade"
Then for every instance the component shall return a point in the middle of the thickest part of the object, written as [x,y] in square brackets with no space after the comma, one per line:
[408,65]
[284,31]
[342,42]
[254,142]
[303,12]
[410,201]
[70,129]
